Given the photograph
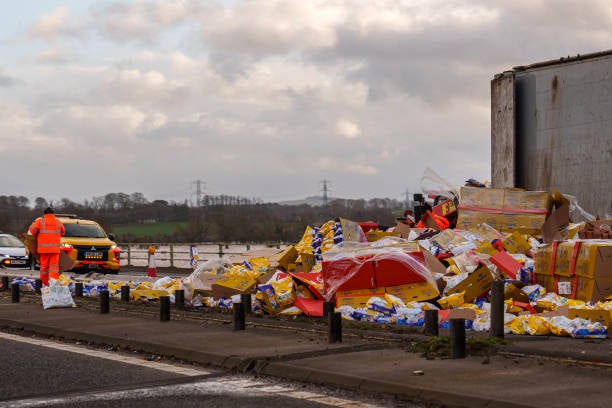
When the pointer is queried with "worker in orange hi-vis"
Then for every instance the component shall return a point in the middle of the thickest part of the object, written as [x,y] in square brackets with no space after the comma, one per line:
[48,231]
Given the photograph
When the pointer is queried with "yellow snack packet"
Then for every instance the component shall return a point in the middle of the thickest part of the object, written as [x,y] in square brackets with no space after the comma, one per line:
[451,301]
[284,291]
[536,325]
[516,325]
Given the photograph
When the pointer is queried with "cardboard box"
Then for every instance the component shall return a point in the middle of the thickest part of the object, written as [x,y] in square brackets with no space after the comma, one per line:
[357,298]
[506,263]
[546,281]
[589,290]
[602,316]
[405,230]
[506,210]
[287,257]
[514,293]
[375,235]
[445,208]
[307,261]
[597,229]
[65,262]
[458,313]
[516,243]
[412,292]
[228,286]
[476,284]
[589,259]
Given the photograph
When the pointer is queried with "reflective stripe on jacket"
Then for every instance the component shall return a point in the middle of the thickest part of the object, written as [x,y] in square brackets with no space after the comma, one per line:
[48,230]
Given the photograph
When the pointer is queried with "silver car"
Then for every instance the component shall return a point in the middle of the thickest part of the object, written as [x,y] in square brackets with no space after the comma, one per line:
[13,253]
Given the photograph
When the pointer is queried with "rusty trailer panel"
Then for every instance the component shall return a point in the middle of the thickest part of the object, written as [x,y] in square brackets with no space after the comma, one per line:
[551,128]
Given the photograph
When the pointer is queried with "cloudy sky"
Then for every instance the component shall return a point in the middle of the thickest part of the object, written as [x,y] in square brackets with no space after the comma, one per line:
[264,98]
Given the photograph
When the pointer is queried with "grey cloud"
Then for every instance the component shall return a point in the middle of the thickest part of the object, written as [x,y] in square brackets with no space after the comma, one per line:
[8,81]
[422,64]
[230,66]
[55,56]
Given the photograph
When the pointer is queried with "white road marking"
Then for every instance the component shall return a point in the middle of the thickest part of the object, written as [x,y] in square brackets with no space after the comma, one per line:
[231,385]
[218,386]
[106,355]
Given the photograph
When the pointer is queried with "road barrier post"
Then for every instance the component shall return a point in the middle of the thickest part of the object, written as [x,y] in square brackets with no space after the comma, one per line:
[431,323]
[497,309]
[5,283]
[125,293]
[457,338]
[335,327]
[104,302]
[37,286]
[78,289]
[129,255]
[164,308]
[179,299]
[239,316]
[220,250]
[245,299]
[15,293]
[171,256]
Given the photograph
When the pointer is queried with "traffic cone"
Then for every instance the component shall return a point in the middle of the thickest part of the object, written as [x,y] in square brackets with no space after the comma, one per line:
[152,270]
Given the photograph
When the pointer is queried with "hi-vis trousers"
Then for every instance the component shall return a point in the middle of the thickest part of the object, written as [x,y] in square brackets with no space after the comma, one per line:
[49,267]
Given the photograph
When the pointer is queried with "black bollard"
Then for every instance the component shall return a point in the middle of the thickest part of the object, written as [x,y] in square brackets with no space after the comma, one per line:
[37,286]
[164,308]
[245,299]
[328,308]
[15,292]
[431,323]
[179,299]
[78,289]
[104,302]
[125,293]
[457,338]
[335,327]
[239,316]
[5,283]
[497,310]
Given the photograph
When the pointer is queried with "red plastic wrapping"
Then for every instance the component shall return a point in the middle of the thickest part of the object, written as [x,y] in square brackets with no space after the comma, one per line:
[382,269]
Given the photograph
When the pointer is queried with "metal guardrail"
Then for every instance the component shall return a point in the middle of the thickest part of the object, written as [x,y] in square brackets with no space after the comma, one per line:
[178,255]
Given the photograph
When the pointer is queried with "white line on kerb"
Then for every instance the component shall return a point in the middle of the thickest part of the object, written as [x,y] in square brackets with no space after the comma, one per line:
[106,355]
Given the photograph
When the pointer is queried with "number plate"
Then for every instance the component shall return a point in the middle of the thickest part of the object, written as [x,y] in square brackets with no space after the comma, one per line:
[93,255]
[18,262]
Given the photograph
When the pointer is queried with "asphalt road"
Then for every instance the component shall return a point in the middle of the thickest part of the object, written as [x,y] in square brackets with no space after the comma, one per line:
[44,373]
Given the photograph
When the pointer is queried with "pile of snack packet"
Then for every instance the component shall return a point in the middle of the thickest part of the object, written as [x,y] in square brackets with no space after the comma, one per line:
[530,308]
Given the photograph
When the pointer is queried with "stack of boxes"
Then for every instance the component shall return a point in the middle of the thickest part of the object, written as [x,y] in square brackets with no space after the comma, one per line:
[506,210]
[576,269]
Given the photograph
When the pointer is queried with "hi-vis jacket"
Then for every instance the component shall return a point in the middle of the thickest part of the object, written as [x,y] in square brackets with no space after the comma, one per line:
[48,230]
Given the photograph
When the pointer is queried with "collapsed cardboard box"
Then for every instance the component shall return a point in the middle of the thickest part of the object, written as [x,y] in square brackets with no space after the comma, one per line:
[506,210]
[410,292]
[596,229]
[227,286]
[577,269]
[602,316]
[475,285]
